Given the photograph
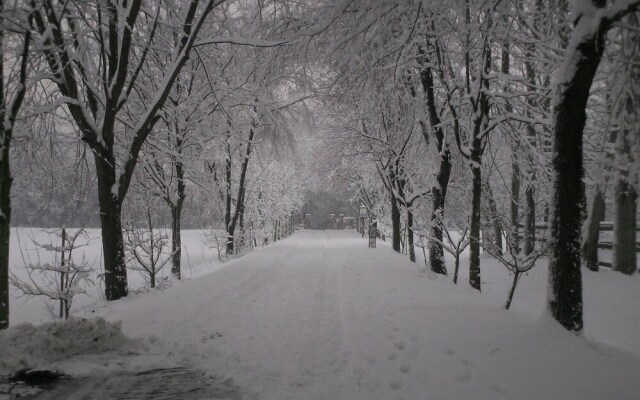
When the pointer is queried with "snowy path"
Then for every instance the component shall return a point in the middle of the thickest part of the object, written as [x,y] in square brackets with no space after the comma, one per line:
[321,316]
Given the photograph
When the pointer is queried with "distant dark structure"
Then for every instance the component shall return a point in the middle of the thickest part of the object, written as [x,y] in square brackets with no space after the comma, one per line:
[341,222]
[307,221]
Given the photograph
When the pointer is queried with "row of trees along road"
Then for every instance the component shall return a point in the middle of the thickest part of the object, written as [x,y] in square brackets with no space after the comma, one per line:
[505,104]
[147,87]
[489,102]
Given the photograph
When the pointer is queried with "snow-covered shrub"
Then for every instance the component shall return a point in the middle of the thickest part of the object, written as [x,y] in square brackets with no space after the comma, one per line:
[147,250]
[62,279]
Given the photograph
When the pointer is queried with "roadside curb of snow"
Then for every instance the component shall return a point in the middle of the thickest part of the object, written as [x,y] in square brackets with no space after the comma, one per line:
[28,346]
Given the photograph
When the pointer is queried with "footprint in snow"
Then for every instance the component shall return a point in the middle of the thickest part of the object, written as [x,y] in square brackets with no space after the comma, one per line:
[399,345]
[463,377]
[405,368]
[395,385]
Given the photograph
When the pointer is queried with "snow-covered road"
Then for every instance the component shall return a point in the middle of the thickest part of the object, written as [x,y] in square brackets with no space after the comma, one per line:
[321,316]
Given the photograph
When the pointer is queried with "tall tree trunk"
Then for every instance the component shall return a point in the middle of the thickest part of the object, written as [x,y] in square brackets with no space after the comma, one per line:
[62,274]
[176,241]
[436,252]
[395,223]
[410,245]
[275,231]
[495,219]
[231,227]
[474,230]
[529,219]
[152,280]
[565,217]
[624,228]
[515,168]
[592,234]
[9,109]
[529,193]
[115,277]
[176,209]
[515,200]
[474,155]
[227,199]
[176,215]
[624,225]
[439,190]
[5,219]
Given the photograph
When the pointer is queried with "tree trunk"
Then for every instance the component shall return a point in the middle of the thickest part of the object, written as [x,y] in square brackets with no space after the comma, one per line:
[9,109]
[5,219]
[176,210]
[624,228]
[231,226]
[515,200]
[438,191]
[592,235]
[515,168]
[227,200]
[529,193]
[275,231]
[566,210]
[474,231]
[115,277]
[410,245]
[62,301]
[395,223]
[480,121]
[514,283]
[436,252]
[529,220]
[495,219]
[456,269]
[176,241]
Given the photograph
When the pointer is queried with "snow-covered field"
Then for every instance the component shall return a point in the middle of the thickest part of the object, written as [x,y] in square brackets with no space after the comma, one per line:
[198,255]
[321,316]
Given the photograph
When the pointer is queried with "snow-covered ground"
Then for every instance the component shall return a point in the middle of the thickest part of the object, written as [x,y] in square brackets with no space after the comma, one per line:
[198,255]
[321,316]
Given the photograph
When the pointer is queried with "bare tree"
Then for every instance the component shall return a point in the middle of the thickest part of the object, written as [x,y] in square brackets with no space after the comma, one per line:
[94,55]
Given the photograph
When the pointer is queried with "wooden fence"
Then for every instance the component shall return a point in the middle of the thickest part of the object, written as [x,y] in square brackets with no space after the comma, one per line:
[605,241]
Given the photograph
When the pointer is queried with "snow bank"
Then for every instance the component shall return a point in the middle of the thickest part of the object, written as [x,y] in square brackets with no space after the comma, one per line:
[29,346]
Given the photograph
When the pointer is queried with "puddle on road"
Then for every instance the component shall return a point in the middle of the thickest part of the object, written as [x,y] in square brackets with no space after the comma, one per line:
[156,384]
